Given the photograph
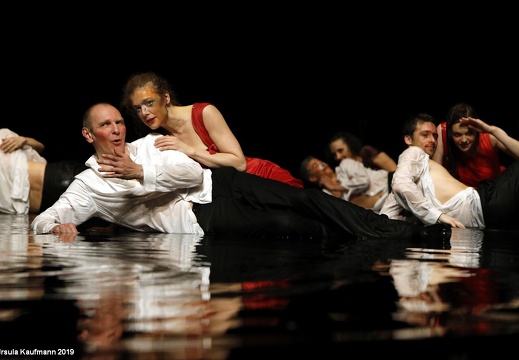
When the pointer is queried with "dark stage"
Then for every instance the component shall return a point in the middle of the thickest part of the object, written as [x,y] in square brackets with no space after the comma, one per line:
[284,89]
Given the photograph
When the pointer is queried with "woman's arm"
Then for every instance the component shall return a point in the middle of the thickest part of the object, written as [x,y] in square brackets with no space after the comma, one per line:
[13,143]
[384,161]
[438,154]
[229,150]
[499,137]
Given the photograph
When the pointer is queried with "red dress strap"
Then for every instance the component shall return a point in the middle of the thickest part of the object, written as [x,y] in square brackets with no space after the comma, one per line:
[198,125]
[256,166]
[444,139]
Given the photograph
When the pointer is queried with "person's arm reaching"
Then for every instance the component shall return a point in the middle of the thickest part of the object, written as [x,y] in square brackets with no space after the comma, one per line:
[384,161]
[502,140]
[438,153]
[12,143]
[75,206]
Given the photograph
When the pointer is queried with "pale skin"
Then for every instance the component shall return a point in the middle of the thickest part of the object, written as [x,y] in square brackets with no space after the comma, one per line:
[107,133]
[36,170]
[13,143]
[341,150]
[464,138]
[36,177]
[445,185]
[322,174]
[157,111]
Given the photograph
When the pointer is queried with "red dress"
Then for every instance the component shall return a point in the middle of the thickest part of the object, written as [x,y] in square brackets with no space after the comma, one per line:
[485,165]
[256,166]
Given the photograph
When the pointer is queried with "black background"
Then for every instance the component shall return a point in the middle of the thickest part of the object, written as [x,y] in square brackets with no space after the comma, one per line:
[285,81]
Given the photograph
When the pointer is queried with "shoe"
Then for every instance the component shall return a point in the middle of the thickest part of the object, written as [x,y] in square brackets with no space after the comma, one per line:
[435,232]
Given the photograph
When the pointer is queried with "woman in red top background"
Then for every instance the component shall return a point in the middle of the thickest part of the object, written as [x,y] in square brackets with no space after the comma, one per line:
[469,148]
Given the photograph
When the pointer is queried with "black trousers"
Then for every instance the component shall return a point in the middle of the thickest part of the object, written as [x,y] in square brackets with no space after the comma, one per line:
[500,199]
[254,206]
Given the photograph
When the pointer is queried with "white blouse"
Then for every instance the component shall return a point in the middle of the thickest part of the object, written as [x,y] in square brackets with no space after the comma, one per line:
[14,176]
[358,179]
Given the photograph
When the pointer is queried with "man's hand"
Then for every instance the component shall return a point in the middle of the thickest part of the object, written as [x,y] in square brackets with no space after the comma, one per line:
[446,219]
[120,165]
[68,228]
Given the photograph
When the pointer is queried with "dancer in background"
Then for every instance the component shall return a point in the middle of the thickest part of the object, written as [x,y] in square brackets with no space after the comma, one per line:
[424,191]
[469,148]
[351,181]
[345,145]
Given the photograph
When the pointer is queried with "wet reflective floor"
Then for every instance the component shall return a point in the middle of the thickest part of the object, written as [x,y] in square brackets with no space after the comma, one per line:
[160,296]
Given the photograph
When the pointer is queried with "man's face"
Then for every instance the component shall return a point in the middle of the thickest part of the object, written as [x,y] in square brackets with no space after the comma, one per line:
[425,137]
[317,169]
[108,130]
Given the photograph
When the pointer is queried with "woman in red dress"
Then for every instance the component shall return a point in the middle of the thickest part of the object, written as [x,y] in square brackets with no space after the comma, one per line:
[469,148]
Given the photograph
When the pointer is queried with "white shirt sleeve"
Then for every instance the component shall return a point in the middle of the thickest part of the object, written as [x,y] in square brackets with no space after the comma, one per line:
[411,185]
[165,170]
[75,205]
[353,176]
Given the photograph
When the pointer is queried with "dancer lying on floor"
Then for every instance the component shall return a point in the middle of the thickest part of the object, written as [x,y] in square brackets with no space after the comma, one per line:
[142,188]
[28,183]
[351,181]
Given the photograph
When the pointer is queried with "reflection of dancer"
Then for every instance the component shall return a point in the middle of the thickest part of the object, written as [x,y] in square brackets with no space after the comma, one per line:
[475,292]
[147,307]
[465,248]
[435,292]
[417,284]
[101,324]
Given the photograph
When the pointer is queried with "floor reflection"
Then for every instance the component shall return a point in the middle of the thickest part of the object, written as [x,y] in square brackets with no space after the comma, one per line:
[181,296]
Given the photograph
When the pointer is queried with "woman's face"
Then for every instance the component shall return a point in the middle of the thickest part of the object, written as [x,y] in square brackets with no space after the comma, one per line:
[340,150]
[463,137]
[149,107]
